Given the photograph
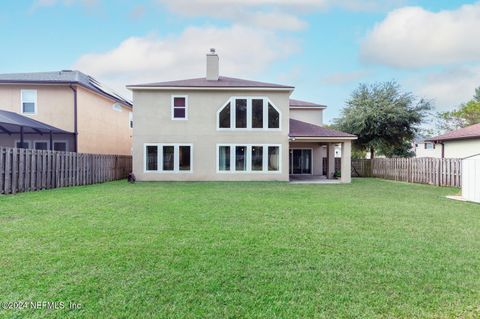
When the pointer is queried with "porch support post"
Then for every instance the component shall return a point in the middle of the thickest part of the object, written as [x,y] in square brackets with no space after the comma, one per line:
[346,162]
[330,160]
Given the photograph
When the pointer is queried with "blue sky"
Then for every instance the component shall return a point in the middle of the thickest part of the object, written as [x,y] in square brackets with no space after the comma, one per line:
[322,47]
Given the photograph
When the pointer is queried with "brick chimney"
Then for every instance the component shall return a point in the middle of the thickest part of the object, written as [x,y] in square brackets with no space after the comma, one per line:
[212,66]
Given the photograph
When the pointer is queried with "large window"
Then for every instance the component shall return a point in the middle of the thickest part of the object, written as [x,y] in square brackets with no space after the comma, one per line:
[151,158]
[240,113]
[29,101]
[168,158]
[251,158]
[257,113]
[60,146]
[26,144]
[41,145]
[224,117]
[179,108]
[224,158]
[273,117]
[240,158]
[257,158]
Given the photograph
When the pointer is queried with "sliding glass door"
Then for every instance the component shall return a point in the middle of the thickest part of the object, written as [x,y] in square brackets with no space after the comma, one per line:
[301,162]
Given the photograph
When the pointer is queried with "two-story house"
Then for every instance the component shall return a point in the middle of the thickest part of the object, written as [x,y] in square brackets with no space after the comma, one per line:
[218,128]
[63,111]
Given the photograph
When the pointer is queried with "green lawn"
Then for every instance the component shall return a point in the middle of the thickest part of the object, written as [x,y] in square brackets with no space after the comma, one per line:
[372,249]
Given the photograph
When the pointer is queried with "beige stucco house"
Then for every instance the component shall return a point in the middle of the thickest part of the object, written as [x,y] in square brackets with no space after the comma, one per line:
[223,129]
[86,116]
[461,143]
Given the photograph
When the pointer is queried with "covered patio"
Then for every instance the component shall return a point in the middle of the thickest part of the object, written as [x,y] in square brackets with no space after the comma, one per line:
[309,145]
[18,131]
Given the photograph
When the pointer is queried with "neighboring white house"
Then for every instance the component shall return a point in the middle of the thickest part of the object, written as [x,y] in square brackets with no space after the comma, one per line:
[221,128]
[423,148]
[460,143]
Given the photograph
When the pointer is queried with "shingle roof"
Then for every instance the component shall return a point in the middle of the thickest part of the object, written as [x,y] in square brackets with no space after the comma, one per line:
[11,122]
[468,132]
[298,103]
[223,81]
[302,129]
[64,77]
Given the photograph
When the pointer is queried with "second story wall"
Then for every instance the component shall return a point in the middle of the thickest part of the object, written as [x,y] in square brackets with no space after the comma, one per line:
[54,104]
[154,124]
[102,128]
[308,115]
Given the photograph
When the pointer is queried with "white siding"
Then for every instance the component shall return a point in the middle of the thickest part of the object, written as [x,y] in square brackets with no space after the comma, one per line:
[471,179]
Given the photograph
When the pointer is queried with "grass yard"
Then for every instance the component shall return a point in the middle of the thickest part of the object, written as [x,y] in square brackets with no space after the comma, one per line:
[372,249]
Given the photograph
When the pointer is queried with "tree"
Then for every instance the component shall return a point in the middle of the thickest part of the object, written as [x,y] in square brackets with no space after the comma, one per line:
[384,118]
[467,114]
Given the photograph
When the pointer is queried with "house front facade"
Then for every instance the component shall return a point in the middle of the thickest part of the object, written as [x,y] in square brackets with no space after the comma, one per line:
[85,116]
[226,129]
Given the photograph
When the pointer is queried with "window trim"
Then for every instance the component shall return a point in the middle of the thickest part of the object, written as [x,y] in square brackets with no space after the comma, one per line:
[249,127]
[248,158]
[35,103]
[172,107]
[176,158]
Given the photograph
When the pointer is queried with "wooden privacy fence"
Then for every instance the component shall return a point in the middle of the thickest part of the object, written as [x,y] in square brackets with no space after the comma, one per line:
[435,171]
[25,170]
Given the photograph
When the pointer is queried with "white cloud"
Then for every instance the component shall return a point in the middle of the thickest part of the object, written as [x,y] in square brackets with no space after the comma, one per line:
[269,14]
[341,78]
[414,37]
[244,52]
[450,88]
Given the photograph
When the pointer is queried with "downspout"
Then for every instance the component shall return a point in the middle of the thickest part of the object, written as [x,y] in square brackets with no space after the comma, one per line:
[75,119]
[443,150]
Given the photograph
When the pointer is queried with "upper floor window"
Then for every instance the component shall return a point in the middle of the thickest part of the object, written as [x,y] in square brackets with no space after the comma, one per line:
[248,113]
[117,107]
[179,107]
[429,146]
[29,101]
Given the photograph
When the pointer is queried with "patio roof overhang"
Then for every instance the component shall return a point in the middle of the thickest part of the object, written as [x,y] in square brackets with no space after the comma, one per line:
[302,131]
[13,123]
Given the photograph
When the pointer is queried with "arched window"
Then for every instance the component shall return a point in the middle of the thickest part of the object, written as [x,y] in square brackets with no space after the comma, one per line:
[255,113]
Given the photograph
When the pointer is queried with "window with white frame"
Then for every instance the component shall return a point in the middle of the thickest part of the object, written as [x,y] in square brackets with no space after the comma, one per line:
[29,101]
[174,158]
[251,158]
[429,146]
[41,145]
[60,146]
[179,107]
[240,113]
[130,119]
[26,144]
